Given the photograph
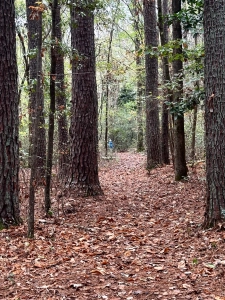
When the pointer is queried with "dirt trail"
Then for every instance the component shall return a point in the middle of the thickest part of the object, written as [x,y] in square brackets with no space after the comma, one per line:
[142,240]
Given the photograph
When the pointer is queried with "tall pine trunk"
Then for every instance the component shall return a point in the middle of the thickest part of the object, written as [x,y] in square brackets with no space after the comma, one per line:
[179,136]
[163,30]
[84,119]
[36,105]
[51,125]
[9,119]
[63,138]
[214,32]
[151,67]
[35,162]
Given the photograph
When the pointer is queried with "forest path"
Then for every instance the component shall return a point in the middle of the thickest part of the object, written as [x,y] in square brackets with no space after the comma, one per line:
[142,240]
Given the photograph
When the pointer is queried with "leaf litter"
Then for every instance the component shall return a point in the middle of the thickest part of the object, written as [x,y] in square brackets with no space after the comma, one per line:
[142,240]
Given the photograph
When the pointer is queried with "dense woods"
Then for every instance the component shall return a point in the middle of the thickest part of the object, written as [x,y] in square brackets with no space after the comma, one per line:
[112,129]
[84,81]
[118,71]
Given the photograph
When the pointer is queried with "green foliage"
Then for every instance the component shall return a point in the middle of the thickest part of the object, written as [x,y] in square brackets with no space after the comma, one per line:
[126,95]
[167,50]
[50,213]
[123,127]
[187,103]
[87,4]
[123,130]
[20,13]
[195,261]
[2,226]
[63,49]
[194,61]
[191,16]
[195,58]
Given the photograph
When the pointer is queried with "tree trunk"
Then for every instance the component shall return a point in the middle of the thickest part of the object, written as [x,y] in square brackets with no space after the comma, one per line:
[84,120]
[179,137]
[34,178]
[193,133]
[106,114]
[163,30]
[195,116]
[51,111]
[140,130]
[139,78]
[214,31]
[151,67]
[26,64]
[9,119]
[63,147]
[33,24]
[171,136]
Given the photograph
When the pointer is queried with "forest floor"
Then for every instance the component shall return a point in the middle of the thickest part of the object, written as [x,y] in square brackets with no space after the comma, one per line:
[142,240]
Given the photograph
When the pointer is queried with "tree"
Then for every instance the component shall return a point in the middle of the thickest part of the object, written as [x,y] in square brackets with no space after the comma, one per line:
[84,119]
[36,104]
[151,67]
[35,162]
[163,30]
[9,119]
[26,62]
[51,125]
[194,123]
[214,30]
[139,68]
[179,137]
[63,150]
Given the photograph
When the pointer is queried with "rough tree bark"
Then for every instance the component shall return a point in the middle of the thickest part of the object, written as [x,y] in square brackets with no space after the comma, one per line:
[34,178]
[179,136]
[151,67]
[34,22]
[63,147]
[214,32]
[51,125]
[84,119]
[163,30]
[9,119]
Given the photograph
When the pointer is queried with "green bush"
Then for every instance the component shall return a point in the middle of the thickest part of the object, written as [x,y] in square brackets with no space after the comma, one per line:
[126,95]
[122,130]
